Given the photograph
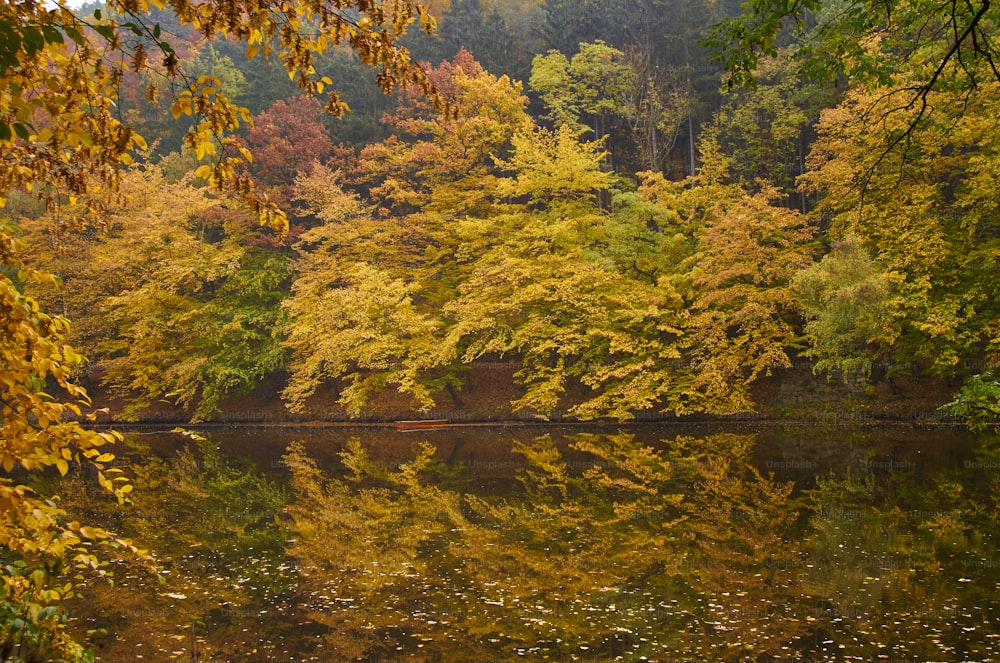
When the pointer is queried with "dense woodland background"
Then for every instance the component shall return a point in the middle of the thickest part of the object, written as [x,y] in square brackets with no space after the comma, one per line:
[594,206]
[575,209]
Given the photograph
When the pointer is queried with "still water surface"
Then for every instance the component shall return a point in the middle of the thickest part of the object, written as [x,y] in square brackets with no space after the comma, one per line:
[554,543]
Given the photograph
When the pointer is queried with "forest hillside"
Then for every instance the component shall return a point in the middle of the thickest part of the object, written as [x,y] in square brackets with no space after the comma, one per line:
[541,209]
[590,218]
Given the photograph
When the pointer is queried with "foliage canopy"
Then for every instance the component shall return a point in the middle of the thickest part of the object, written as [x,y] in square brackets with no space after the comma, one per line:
[63,138]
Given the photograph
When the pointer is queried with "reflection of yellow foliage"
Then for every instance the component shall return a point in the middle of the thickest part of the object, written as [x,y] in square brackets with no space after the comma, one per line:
[584,559]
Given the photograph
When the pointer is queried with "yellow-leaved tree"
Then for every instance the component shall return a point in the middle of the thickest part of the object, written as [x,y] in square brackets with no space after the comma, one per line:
[489,237]
[918,233]
[62,139]
[373,279]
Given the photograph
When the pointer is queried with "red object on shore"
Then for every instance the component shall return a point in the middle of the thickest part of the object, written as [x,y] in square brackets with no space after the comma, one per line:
[421,424]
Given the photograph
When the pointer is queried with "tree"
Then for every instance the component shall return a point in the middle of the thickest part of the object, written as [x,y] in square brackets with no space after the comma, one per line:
[912,49]
[61,74]
[491,239]
[587,92]
[845,297]
[374,276]
[743,307]
[739,309]
[468,25]
[952,44]
[372,334]
[489,236]
[42,423]
[194,314]
[285,136]
[550,79]
[658,26]
[977,403]
[209,62]
[551,294]
[762,132]
[623,98]
[441,163]
[655,106]
[667,30]
[926,217]
[352,313]
[62,137]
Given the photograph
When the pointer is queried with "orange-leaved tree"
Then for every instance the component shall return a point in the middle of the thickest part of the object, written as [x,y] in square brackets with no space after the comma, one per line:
[62,138]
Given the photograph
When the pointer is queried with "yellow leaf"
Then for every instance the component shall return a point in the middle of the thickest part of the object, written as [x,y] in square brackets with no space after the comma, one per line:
[62,466]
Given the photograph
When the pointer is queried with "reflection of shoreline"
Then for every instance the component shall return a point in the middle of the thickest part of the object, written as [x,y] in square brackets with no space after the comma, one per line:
[838,513]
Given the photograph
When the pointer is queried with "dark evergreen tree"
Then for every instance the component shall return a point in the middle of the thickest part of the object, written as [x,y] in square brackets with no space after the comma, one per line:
[483,33]
[568,23]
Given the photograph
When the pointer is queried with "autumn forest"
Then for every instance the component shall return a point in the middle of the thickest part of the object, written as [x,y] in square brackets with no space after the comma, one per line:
[640,206]
[588,203]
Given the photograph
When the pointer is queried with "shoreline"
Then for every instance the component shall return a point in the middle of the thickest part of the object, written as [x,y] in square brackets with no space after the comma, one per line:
[794,396]
[515,423]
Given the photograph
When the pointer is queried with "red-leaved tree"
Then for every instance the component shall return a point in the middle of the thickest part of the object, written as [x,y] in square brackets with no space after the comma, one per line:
[288,138]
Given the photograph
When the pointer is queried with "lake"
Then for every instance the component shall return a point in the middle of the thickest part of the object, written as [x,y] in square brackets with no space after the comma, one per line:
[633,543]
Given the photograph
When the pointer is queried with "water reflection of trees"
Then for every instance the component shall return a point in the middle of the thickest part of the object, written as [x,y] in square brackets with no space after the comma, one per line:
[214,526]
[902,565]
[610,546]
[676,551]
